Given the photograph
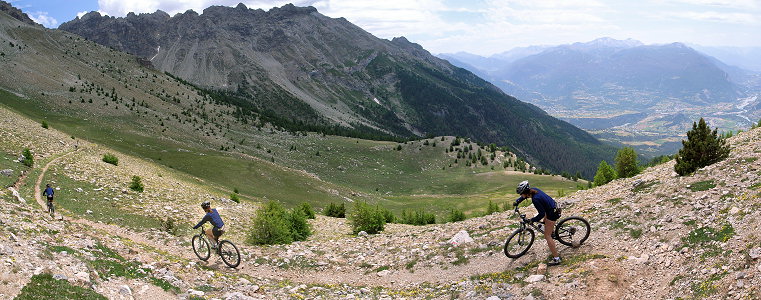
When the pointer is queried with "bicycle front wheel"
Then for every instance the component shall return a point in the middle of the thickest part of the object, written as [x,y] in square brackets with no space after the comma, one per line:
[572,231]
[519,242]
[229,253]
[201,247]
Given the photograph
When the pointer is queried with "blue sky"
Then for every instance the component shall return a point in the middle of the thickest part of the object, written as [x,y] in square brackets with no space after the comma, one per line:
[484,26]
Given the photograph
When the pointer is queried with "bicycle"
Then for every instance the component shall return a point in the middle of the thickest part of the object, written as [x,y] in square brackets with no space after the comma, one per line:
[570,231]
[51,208]
[225,249]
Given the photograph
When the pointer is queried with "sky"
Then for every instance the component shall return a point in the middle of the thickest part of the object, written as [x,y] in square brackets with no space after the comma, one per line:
[483,27]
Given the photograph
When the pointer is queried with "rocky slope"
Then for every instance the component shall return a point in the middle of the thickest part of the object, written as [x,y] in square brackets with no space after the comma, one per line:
[656,235]
[295,64]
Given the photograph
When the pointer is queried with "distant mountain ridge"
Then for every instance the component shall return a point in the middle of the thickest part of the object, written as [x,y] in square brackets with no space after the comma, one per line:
[615,85]
[298,65]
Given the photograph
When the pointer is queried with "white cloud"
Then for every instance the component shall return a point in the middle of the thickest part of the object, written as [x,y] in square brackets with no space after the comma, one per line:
[719,17]
[42,17]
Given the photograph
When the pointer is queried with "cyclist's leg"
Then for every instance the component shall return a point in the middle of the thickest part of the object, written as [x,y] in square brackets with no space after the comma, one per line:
[210,236]
[549,225]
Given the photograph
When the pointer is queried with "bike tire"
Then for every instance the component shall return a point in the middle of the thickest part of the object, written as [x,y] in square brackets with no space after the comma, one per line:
[572,231]
[519,242]
[201,247]
[229,253]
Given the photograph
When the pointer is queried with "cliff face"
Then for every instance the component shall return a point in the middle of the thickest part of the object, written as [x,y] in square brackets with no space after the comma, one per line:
[16,13]
[296,64]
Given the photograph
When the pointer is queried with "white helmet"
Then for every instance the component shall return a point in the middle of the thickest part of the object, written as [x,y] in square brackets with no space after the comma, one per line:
[523,187]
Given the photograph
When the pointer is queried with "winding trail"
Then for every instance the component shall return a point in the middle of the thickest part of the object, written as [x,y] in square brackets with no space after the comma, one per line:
[346,274]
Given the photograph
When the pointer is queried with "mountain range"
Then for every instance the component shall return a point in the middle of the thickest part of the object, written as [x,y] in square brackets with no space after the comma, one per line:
[296,65]
[620,88]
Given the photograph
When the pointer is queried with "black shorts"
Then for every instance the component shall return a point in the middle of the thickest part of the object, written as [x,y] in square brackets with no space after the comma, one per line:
[554,214]
[217,232]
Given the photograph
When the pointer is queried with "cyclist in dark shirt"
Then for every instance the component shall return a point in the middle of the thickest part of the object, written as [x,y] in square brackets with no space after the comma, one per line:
[547,213]
[212,216]
[49,194]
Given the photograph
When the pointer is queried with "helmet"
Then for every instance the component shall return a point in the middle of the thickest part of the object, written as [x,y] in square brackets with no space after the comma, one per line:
[205,204]
[523,187]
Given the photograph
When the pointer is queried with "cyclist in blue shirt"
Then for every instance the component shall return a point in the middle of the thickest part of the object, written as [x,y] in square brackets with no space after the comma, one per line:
[548,213]
[212,216]
[49,194]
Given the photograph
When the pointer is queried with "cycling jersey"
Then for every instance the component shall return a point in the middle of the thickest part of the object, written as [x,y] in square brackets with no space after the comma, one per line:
[544,204]
[48,192]
[213,218]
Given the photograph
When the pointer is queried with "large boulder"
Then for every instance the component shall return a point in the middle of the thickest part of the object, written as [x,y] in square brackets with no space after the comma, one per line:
[461,237]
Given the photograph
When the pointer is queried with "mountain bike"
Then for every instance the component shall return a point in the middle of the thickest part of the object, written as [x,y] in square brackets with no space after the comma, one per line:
[225,249]
[51,209]
[571,231]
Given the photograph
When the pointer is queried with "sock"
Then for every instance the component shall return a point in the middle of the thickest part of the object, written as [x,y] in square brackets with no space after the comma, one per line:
[557,257]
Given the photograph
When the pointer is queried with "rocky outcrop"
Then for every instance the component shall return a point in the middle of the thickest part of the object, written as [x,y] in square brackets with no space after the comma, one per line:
[16,13]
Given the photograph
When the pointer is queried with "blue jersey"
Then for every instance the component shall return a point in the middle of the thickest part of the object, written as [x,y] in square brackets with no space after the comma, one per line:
[48,192]
[543,204]
[213,218]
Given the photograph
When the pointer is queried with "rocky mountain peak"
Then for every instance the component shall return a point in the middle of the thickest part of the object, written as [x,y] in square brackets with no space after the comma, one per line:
[16,13]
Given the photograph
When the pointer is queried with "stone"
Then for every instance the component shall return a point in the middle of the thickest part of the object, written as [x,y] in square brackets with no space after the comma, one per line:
[236,296]
[193,292]
[6,172]
[83,276]
[384,273]
[461,237]
[493,298]
[541,269]
[734,210]
[755,253]
[79,190]
[758,267]
[125,290]
[362,234]
[534,278]
[60,277]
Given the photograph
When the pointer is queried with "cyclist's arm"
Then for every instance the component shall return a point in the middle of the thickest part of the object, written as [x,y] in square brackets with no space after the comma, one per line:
[205,219]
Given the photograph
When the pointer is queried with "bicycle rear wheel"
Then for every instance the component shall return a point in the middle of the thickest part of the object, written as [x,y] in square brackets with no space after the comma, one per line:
[201,247]
[229,253]
[572,231]
[519,242]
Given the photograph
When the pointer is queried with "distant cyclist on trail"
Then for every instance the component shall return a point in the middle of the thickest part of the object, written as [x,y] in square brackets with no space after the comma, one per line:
[49,194]
[548,214]
[212,216]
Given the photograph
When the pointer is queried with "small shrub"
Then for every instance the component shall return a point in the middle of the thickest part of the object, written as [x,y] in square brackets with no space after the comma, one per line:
[136,184]
[336,210]
[419,217]
[45,124]
[492,208]
[387,215]
[44,286]
[170,226]
[456,215]
[270,226]
[111,159]
[234,197]
[299,227]
[367,218]
[28,158]
[306,208]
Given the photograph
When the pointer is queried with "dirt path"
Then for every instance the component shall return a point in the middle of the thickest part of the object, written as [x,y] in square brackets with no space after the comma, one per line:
[348,275]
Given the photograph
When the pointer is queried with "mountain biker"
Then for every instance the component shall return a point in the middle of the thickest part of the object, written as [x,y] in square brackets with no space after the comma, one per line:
[49,194]
[212,216]
[548,213]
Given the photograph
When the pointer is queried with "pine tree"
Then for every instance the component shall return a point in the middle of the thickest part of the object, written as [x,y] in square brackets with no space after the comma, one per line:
[605,174]
[703,147]
[626,162]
